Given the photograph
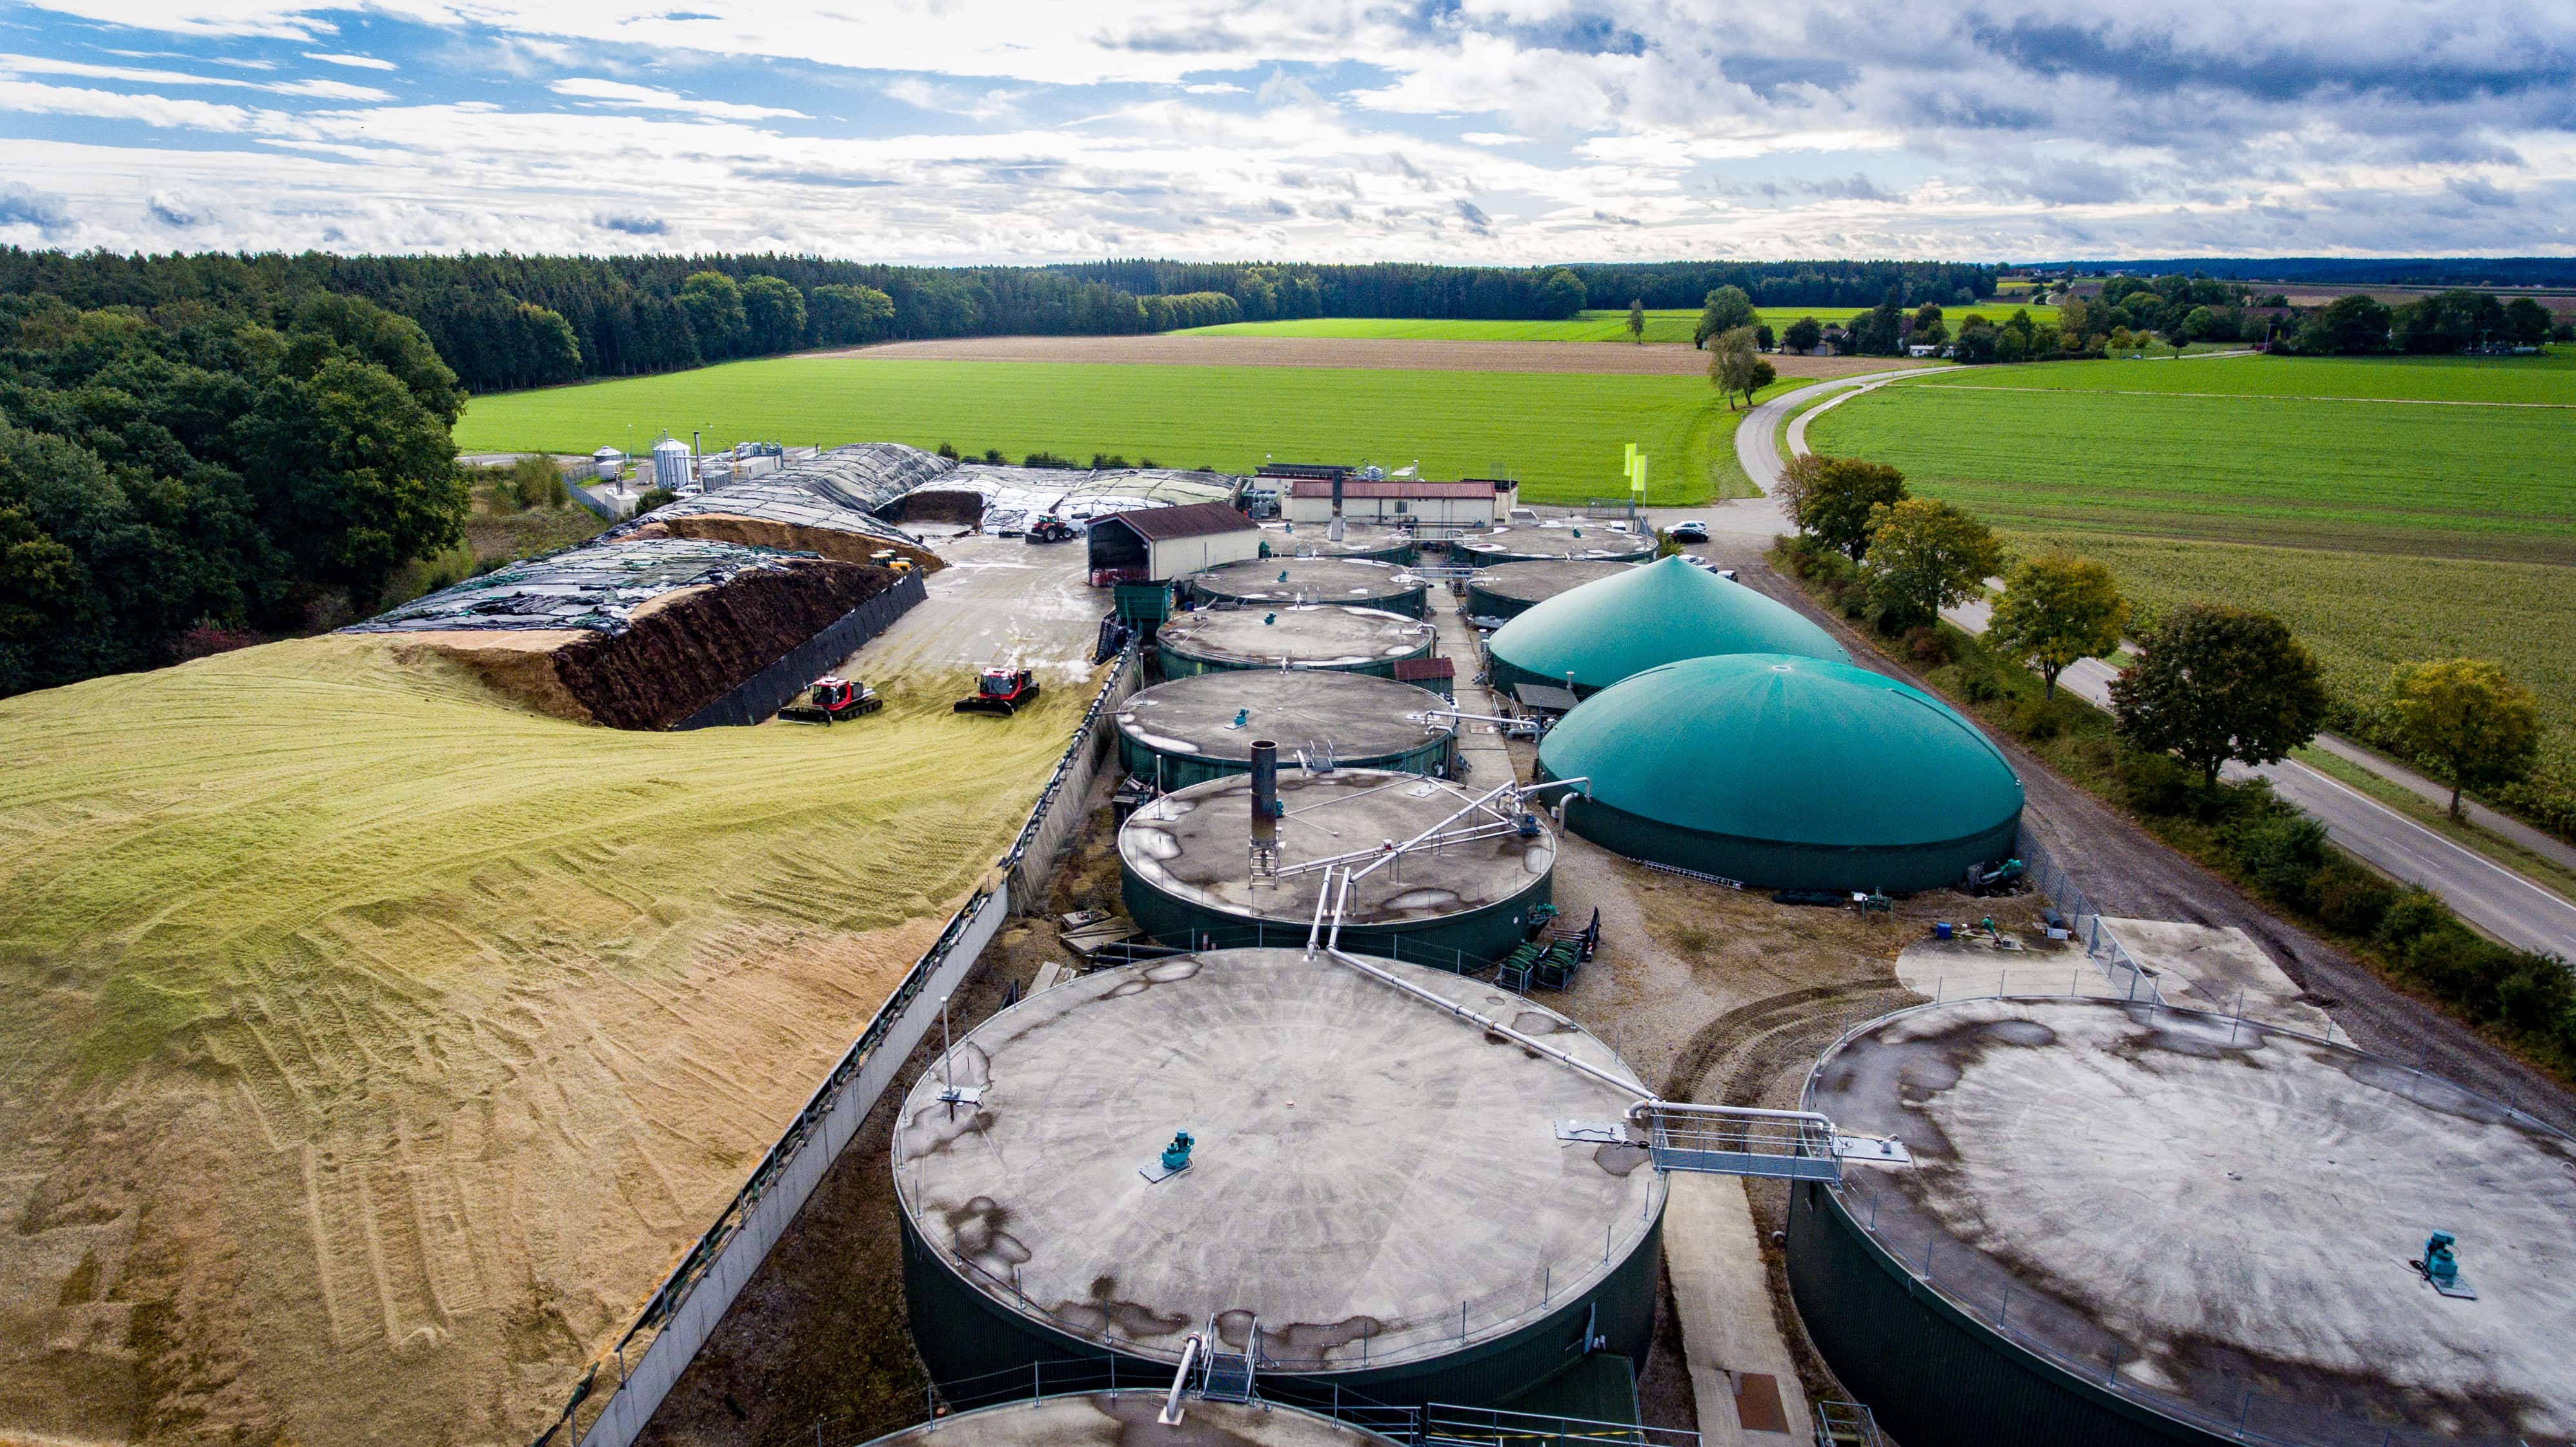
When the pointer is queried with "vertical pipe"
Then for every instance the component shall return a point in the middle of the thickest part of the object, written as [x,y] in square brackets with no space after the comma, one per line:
[1265,794]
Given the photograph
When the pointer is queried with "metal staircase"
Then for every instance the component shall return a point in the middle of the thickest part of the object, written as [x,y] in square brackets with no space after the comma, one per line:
[1226,1376]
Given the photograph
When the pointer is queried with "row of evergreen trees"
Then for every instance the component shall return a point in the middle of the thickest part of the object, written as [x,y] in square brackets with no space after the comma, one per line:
[504,321]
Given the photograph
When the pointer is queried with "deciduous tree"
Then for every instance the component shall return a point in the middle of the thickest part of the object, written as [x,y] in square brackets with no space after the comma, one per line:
[2470,725]
[1637,321]
[2215,683]
[1925,556]
[1803,335]
[713,305]
[1731,361]
[2056,609]
[1726,309]
[1834,507]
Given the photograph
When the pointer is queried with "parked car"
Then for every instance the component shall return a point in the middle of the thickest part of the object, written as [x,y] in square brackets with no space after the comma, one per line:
[1691,531]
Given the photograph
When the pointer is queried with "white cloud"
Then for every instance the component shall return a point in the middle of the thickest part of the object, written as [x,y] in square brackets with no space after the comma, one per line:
[356,62]
[619,93]
[1216,87]
[1490,138]
[322,89]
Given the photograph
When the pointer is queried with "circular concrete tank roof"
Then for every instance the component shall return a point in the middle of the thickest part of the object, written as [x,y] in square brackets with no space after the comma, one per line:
[1309,540]
[2221,1208]
[1765,746]
[1306,580]
[1661,613]
[1127,1417]
[1562,538]
[1537,582]
[1346,715]
[1307,635]
[1365,1161]
[1192,844]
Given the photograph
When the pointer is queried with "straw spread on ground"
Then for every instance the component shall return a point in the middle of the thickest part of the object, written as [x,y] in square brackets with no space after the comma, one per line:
[376,1043]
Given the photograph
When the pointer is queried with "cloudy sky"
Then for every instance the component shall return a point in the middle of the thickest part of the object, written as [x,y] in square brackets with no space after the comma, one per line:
[1511,131]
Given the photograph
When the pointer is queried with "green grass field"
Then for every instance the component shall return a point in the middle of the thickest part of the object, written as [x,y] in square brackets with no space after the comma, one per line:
[1591,326]
[1561,434]
[2307,453]
[2389,509]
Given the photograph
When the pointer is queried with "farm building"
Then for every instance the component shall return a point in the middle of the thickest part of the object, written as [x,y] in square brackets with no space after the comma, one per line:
[1786,772]
[1640,618]
[1473,502]
[1158,544]
[2142,1226]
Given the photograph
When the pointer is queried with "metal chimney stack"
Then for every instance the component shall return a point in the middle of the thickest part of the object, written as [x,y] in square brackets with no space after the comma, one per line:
[1333,529]
[1265,796]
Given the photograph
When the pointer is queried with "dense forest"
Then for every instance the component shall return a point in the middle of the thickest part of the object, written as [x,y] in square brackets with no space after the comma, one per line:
[504,321]
[207,468]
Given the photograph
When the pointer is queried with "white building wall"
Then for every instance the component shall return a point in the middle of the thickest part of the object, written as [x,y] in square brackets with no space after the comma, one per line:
[1437,511]
[1178,557]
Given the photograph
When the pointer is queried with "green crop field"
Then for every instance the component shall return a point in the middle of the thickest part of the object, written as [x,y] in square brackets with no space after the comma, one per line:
[2390,509]
[2306,453]
[1591,326]
[1561,434]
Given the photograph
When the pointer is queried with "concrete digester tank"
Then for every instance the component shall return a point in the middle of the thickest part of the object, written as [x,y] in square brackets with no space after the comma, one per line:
[1507,590]
[1187,875]
[1129,1416]
[1377,1197]
[2133,1225]
[1273,582]
[1557,538]
[1293,638]
[1374,542]
[1788,773]
[1194,729]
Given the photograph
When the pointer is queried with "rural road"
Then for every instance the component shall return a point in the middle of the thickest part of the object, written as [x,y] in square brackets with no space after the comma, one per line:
[2497,900]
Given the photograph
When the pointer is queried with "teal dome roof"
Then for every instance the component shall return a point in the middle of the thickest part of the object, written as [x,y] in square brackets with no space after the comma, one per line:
[1660,613]
[1786,750]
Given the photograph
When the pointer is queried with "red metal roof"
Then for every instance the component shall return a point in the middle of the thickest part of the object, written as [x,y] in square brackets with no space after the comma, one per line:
[1465,491]
[1411,670]
[1191,520]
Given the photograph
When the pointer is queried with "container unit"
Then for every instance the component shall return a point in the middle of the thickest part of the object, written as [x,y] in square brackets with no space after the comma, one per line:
[1376,1198]
[1194,729]
[1648,616]
[1130,1414]
[2136,1225]
[1788,773]
[1188,878]
[1277,582]
[1507,590]
[1373,542]
[1561,538]
[1310,637]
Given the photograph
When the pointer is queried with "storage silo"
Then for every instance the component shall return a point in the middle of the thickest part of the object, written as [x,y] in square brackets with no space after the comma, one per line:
[1194,729]
[1274,582]
[671,469]
[1788,773]
[1189,876]
[1377,1196]
[1311,637]
[2135,1226]
[1507,590]
[1132,1414]
[1661,613]
[1557,538]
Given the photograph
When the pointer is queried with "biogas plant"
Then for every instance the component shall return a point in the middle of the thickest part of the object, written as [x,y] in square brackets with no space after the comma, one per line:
[1313,959]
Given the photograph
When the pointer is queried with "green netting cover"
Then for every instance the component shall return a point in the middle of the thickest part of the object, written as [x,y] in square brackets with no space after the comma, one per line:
[1646,617]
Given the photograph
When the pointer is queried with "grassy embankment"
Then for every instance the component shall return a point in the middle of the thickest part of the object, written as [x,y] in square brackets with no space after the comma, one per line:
[393,1037]
[2525,1003]
[1561,434]
[1591,326]
[2357,499]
